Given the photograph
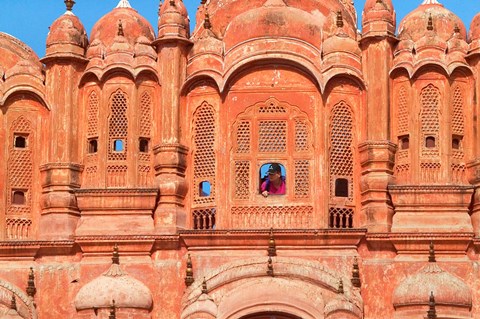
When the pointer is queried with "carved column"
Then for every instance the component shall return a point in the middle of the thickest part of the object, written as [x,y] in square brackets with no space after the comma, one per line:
[60,176]
[377,160]
[170,164]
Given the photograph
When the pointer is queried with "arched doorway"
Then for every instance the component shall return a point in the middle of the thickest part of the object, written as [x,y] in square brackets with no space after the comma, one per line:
[270,315]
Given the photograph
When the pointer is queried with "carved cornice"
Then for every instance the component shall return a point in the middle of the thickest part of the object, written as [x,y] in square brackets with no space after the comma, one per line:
[116,191]
[174,147]
[377,144]
[430,188]
[72,166]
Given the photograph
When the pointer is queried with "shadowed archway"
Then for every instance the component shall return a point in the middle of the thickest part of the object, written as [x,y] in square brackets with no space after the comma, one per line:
[270,315]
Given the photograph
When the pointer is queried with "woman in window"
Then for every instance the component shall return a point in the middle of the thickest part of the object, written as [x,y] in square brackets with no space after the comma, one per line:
[274,184]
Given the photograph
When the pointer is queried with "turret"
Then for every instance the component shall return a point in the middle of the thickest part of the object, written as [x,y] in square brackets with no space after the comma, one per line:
[377,153]
[64,60]
[170,156]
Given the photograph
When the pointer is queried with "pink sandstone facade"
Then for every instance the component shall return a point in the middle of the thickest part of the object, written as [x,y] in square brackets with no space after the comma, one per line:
[152,146]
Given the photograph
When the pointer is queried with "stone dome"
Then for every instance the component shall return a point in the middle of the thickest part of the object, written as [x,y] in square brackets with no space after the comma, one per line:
[447,288]
[66,30]
[374,10]
[173,20]
[273,19]
[133,24]
[474,33]
[444,22]
[116,285]
[12,51]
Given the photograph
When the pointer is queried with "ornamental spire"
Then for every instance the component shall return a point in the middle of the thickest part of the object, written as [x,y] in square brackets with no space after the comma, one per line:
[124,4]
[431,253]
[69,4]
[432,312]
[430,2]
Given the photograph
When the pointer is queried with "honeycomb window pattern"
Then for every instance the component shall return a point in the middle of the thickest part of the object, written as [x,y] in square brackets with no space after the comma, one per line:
[341,141]
[301,135]
[242,178]
[92,129]
[457,116]
[272,136]
[118,125]
[402,112]
[243,134]
[20,167]
[204,136]
[271,108]
[430,99]
[302,179]
[145,114]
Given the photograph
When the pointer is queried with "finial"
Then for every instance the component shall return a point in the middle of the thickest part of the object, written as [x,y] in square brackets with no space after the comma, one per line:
[430,23]
[340,287]
[189,272]
[113,314]
[172,2]
[31,290]
[69,4]
[204,286]
[13,304]
[456,29]
[120,29]
[116,255]
[339,19]
[203,2]
[272,248]
[206,22]
[356,274]
[124,4]
[270,267]
[431,253]
[379,1]
[432,312]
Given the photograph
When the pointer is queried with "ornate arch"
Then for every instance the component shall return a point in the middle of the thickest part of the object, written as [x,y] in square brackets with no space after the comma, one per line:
[26,306]
[299,287]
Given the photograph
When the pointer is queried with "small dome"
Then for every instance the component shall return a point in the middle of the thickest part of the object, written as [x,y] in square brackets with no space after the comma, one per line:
[444,22]
[273,19]
[66,30]
[114,284]
[133,24]
[375,11]
[12,312]
[12,50]
[173,20]
[143,47]
[448,289]
[474,33]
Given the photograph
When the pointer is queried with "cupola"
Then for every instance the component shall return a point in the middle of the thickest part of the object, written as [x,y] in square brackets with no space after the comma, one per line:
[120,29]
[67,36]
[378,18]
[114,284]
[173,21]
[448,289]
[432,14]
[474,35]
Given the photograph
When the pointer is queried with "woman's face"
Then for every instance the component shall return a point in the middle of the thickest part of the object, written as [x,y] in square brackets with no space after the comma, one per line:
[274,176]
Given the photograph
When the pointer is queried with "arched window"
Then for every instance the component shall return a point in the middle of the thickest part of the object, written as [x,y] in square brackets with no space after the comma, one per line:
[18,198]
[273,178]
[20,141]
[143,145]
[92,146]
[430,142]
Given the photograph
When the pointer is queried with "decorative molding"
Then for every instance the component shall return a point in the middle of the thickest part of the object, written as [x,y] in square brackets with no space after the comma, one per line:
[118,191]
[72,166]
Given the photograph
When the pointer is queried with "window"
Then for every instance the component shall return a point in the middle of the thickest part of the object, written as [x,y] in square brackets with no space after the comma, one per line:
[341,187]
[456,142]
[18,198]
[404,142]
[118,146]
[20,141]
[204,189]
[143,145]
[272,179]
[92,146]
[430,142]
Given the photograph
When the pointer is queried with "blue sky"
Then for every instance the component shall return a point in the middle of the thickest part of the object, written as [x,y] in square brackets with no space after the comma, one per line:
[29,20]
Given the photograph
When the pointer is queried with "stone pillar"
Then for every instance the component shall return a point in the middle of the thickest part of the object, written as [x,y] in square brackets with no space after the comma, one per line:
[377,160]
[377,153]
[170,164]
[61,174]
